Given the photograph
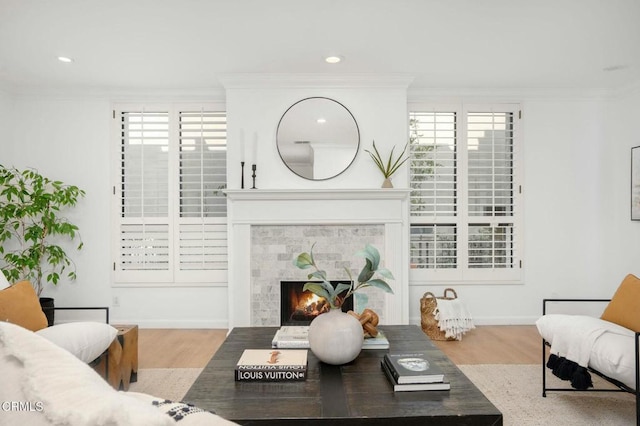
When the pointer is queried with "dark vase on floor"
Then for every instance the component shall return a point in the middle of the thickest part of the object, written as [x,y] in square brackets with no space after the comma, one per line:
[47,307]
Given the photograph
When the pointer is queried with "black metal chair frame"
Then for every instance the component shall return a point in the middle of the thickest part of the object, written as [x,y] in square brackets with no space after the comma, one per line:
[621,386]
[105,354]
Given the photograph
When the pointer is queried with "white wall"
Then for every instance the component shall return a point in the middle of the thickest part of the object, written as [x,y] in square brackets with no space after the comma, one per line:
[621,247]
[381,114]
[5,124]
[69,140]
[579,240]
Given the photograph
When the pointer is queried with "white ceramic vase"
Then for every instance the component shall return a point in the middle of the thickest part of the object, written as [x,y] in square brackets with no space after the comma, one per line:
[335,337]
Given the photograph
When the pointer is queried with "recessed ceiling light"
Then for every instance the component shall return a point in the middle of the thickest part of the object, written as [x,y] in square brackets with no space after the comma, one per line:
[333,59]
[321,120]
[65,59]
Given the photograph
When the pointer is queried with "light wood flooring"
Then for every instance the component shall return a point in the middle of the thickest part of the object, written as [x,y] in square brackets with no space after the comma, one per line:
[180,348]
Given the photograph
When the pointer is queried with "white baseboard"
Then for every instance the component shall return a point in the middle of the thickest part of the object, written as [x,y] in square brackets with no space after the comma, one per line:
[182,324]
[494,320]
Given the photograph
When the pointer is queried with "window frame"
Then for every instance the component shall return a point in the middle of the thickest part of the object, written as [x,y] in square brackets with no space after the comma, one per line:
[173,277]
[463,274]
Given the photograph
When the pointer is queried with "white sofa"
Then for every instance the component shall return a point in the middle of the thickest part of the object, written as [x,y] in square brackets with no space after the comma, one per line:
[43,384]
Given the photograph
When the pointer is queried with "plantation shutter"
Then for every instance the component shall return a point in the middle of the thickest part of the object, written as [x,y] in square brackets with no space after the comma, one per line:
[490,189]
[171,208]
[202,230]
[434,189]
[465,219]
[144,226]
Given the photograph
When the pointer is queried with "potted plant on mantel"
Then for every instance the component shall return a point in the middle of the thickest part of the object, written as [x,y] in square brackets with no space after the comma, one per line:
[32,228]
[336,337]
[390,166]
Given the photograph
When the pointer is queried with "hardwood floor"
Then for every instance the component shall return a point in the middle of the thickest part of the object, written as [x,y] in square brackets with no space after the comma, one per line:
[179,348]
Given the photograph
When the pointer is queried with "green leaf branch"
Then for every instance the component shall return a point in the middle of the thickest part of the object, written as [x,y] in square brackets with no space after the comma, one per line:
[322,287]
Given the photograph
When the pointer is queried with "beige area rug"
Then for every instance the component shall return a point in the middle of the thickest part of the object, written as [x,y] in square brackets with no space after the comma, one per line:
[516,390]
[167,383]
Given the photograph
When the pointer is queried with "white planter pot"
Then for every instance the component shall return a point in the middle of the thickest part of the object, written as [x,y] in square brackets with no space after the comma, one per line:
[335,337]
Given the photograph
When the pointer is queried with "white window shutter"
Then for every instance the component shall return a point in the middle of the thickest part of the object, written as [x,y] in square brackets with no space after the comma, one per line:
[144,227]
[466,223]
[202,232]
[171,209]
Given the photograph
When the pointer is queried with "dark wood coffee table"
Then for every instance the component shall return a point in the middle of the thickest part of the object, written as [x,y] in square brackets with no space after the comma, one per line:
[357,393]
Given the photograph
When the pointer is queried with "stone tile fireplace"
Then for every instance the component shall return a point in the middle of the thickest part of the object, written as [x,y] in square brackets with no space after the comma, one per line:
[268,228]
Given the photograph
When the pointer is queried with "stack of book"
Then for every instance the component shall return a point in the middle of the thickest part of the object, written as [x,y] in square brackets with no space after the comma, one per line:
[297,337]
[378,342]
[412,371]
[272,365]
[291,336]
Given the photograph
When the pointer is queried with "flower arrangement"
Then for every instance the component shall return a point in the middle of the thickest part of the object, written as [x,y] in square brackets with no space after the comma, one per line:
[366,278]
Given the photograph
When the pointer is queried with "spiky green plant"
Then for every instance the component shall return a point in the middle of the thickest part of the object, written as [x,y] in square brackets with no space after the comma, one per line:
[390,166]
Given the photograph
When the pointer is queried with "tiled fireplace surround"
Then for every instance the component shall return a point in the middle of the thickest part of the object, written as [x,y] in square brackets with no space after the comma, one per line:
[268,228]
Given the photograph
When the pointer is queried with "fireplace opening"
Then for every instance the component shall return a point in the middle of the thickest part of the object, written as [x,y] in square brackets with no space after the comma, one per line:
[299,307]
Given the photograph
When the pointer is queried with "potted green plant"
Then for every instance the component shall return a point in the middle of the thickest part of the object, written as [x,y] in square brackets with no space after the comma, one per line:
[336,337]
[390,166]
[32,227]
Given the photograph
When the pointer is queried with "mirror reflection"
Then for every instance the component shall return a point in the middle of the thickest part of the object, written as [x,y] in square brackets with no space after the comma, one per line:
[317,138]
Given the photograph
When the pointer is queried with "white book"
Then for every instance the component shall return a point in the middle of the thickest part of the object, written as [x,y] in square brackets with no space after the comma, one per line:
[291,336]
[378,342]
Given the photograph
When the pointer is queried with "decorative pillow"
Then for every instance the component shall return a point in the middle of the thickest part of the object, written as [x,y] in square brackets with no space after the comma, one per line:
[86,340]
[19,304]
[68,390]
[3,281]
[624,308]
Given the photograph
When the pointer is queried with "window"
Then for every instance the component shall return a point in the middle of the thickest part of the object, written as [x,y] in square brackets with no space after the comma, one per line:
[171,211]
[466,194]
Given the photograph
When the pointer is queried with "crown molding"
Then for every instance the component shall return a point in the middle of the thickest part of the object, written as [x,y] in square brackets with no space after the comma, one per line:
[116,94]
[342,81]
[453,95]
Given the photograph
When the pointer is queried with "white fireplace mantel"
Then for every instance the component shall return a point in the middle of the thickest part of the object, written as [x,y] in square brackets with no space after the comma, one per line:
[252,207]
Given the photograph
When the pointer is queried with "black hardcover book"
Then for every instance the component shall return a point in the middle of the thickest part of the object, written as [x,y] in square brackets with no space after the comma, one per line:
[397,387]
[413,367]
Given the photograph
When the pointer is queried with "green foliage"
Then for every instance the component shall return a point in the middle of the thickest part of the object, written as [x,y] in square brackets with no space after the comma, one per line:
[390,166]
[336,296]
[31,225]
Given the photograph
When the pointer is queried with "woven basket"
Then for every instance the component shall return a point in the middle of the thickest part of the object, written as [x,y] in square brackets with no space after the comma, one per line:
[429,324]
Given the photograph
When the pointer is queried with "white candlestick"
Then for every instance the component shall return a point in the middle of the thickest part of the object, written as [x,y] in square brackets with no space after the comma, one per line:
[241,144]
[254,149]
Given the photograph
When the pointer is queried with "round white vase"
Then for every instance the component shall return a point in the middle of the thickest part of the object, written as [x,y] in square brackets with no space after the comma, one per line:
[335,337]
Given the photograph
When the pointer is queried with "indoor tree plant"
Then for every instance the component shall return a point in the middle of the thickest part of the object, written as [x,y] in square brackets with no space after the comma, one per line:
[390,166]
[336,337]
[32,227]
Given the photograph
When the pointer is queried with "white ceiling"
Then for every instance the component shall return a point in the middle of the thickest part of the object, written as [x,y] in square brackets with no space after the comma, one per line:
[188,44]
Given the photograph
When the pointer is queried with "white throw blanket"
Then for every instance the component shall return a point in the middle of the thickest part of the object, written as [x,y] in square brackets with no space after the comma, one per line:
[573,336]
[453,318]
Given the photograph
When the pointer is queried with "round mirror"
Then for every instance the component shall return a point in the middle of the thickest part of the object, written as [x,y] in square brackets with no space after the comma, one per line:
[317,138]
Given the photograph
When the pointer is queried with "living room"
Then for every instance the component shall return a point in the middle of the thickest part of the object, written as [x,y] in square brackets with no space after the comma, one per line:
[571,69]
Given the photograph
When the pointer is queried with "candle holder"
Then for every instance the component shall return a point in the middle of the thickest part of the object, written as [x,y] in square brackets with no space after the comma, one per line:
[253,168]
[242,177]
